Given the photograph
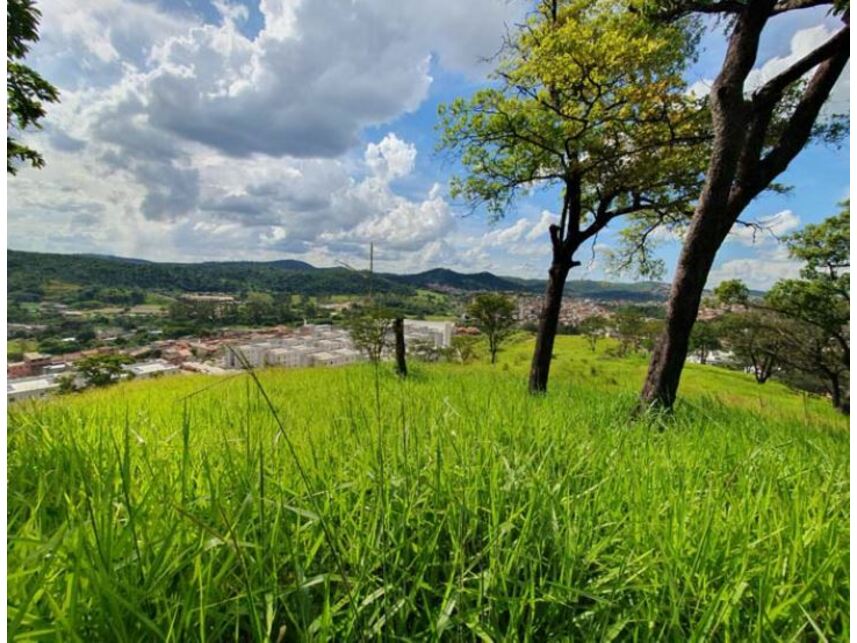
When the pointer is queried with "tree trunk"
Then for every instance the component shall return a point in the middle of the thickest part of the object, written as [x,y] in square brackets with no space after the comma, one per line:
[548,324]
[701,244]
[840,403]
[399,332]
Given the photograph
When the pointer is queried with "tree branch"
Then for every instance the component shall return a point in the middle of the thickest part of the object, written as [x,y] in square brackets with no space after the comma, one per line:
[792,5]
[773,89]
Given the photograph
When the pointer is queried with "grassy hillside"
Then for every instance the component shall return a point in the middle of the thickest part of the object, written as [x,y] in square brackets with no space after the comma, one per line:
[451,505]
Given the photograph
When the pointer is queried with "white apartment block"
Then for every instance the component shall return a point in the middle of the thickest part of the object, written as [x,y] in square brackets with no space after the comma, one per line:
[326,346]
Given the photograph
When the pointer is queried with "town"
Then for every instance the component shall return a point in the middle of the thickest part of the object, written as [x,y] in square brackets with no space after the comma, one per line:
[38,374]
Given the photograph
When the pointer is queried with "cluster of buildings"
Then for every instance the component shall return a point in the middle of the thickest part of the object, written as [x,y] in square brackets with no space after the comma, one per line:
[50,380]
[39,374]
[572,311]
[313,345]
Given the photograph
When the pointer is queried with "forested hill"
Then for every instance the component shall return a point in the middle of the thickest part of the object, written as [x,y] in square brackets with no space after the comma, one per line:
[29,272]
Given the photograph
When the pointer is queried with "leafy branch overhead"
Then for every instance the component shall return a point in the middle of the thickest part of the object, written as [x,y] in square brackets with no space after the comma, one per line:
[26,90]
[590,99]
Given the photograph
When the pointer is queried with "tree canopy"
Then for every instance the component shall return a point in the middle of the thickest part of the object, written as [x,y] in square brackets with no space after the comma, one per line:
[589,100]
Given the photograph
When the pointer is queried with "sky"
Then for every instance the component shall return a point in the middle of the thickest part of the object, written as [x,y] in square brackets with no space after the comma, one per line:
[209,130]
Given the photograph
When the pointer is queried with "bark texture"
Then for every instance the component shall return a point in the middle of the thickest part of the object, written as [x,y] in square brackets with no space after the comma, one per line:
[743,163]
[399,334]
[548,324]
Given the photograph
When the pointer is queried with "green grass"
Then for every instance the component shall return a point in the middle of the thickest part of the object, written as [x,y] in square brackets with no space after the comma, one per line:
[448,506]
[18,346]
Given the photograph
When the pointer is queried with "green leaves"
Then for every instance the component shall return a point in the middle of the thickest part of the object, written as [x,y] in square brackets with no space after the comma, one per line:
[26,90]
[589,98]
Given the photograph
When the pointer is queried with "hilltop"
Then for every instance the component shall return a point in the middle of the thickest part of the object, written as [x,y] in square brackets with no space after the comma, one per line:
[32,270]
[453,505]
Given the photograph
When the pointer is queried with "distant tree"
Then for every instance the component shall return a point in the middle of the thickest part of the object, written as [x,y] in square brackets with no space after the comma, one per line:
[258,307]
[757,134]
[66,383]
[593,329]
[101,370]
[494,316]
[26,90]
[732,291]
[369,328]
[591,100]
[704,339]
[820,302]
[628,325]
[810,316]
[755,340]
[463,348]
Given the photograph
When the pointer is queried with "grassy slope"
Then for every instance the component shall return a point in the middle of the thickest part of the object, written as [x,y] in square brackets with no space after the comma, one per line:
[458,507]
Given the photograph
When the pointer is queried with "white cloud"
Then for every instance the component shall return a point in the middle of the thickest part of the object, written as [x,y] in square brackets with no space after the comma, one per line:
[758,272]
[802,43]
[169,126]
[765,230]
[391,158]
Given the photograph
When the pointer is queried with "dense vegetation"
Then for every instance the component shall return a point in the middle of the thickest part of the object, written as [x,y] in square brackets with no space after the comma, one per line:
[449,504]
[31,276]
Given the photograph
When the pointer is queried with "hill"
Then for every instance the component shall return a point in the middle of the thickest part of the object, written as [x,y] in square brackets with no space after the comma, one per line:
[29,271]
[451,506]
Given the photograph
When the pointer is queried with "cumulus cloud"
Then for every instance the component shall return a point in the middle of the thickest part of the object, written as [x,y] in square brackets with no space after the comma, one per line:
[391,158]
[213,127]
[242,133]
[758,272]
[802,43]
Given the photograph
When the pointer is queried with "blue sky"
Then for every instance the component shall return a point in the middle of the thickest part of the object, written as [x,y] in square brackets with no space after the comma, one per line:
[193,130]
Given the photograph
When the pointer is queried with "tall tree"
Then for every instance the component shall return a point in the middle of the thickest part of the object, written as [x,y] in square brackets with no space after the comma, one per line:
[589,102]
[26,90]
[756,136]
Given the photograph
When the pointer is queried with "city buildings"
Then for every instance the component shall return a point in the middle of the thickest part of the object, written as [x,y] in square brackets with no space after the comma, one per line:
[25,388]
[152,368]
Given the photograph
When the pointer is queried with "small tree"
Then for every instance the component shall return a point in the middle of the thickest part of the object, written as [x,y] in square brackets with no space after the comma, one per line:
[628,326]
[704,339]
[732,291]
[370,329]
[593,328]
[463,348]
[494,315]
[820,302]
[66,382]
[755,339]
[810,316]
[101,370]
[26,91]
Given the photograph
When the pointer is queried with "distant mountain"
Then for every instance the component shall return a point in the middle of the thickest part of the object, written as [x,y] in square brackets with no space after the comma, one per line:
[29,272]
[445,278]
